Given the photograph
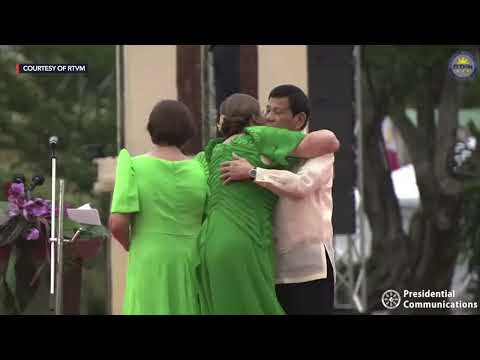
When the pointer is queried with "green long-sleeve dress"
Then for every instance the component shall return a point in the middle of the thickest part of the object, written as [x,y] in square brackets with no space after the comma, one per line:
[167,199]
[237,267]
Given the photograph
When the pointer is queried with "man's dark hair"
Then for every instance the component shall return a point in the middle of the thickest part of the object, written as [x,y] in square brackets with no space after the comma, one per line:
[297,99]
[170,123]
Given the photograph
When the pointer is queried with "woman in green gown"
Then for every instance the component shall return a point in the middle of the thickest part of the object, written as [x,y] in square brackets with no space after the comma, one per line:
[159,197]
[237,265]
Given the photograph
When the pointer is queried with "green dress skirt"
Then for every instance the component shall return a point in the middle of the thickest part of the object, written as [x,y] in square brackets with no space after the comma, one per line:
[237,269]
[167,199]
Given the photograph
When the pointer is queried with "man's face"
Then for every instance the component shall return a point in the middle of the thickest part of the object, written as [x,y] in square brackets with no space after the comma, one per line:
[279,114]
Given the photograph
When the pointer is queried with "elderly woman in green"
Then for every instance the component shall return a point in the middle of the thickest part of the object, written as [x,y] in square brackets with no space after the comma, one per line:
[157,209]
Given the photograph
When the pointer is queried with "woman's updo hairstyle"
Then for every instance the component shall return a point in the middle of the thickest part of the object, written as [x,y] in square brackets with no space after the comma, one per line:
[237,112]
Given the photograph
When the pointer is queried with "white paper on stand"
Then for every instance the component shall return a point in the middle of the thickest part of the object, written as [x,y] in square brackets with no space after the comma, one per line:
[85,214]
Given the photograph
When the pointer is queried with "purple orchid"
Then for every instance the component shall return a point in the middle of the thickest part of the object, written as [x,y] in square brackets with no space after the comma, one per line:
[36,208]
[16,191]
[31,210]
[13,210]
[16,199]
[34,234]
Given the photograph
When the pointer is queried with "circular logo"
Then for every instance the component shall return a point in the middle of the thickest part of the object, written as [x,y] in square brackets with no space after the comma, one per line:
[463,66]
[391,299]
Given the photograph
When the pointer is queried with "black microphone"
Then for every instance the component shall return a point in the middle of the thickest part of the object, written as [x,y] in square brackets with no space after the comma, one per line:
[53,141]
[19,179]
[37,180]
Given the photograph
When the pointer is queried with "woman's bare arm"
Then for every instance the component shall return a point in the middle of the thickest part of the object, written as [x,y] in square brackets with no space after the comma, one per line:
[120,228]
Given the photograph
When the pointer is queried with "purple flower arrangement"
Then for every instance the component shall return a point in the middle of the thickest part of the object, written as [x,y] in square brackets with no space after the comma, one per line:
[32,210]
[24,245]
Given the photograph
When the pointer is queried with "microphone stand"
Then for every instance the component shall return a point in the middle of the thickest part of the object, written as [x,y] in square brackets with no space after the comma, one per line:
[53,239]
[56,262]
[56,295]
[60,240]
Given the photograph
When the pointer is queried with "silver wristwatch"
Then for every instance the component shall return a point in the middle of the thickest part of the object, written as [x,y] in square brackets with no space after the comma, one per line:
[253,174]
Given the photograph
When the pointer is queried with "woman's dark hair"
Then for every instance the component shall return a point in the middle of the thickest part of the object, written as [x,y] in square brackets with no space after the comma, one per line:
[238,110]
[170,123]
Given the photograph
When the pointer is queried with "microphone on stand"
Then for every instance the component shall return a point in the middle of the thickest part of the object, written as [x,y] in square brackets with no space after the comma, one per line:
[19,179]
[53,141]
[37,180]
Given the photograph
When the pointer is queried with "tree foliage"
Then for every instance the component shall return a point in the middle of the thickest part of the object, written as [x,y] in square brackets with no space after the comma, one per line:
[398,77]
[78,108]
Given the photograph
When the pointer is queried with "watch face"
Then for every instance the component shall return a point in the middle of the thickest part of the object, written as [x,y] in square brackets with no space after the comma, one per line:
[253,173]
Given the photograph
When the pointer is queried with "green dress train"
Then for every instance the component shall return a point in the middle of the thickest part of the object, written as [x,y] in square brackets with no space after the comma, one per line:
[167,200]
[237,267]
